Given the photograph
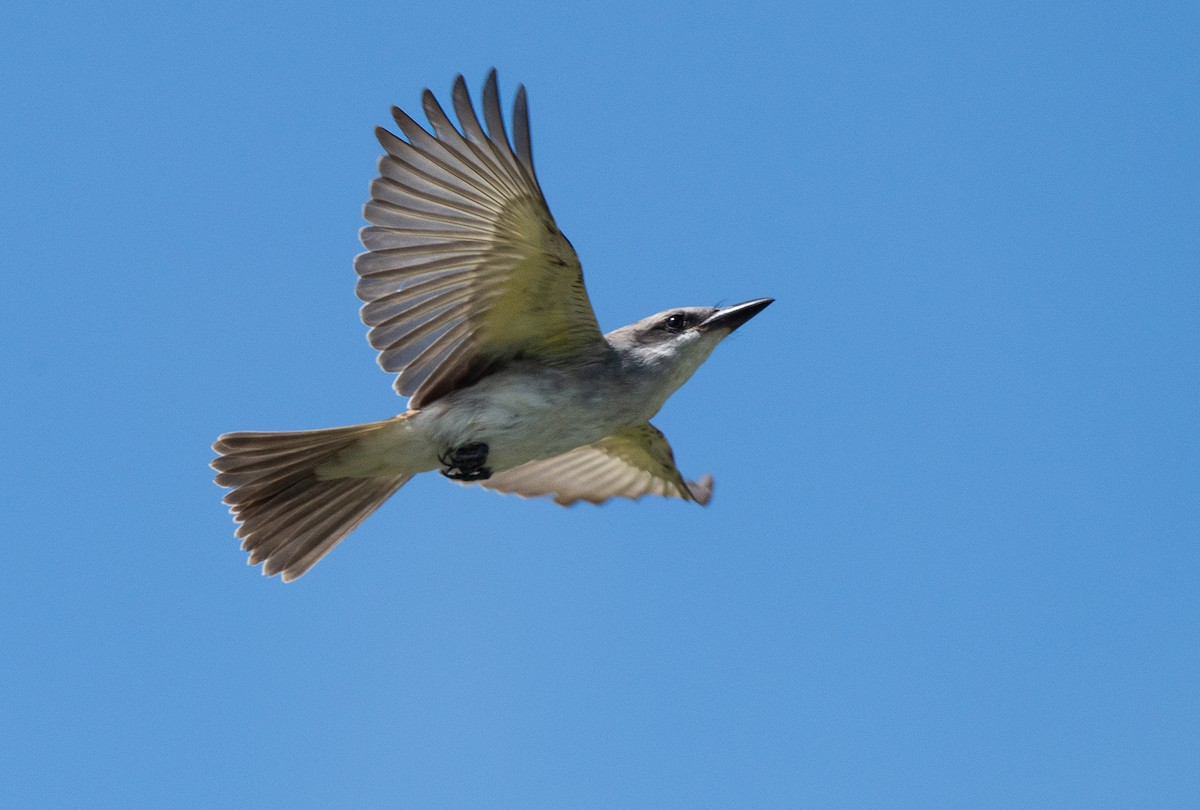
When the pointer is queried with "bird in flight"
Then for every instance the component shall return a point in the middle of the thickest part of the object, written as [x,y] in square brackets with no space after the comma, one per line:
[475,300]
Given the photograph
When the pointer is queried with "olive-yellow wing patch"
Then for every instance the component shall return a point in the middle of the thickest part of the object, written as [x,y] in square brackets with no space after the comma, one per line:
[630,463]
[465,267]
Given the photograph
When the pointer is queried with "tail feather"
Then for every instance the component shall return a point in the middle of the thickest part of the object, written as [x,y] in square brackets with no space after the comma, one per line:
[290,518]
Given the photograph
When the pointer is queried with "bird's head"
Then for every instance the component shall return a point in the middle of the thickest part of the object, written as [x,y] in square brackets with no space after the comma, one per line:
[664,350]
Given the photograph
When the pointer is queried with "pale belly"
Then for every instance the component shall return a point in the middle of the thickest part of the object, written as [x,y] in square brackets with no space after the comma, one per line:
[520,417]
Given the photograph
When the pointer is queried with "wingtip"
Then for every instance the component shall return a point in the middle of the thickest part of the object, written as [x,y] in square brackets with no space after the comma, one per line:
[491,88]
[408,125]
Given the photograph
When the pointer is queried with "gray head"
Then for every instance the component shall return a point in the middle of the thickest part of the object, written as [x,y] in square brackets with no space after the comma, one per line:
[667,348]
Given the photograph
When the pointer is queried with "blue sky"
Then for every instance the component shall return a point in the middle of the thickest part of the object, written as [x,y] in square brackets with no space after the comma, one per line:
[952,557]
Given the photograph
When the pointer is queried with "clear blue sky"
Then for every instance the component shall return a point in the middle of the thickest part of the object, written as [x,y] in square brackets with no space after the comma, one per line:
[952,558]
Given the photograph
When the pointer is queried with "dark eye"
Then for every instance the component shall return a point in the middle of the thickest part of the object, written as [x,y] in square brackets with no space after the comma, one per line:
[675,323]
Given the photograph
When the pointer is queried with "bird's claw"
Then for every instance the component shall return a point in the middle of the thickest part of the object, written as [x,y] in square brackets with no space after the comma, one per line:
[465,462]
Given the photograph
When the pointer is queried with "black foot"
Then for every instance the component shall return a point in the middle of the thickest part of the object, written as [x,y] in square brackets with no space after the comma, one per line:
[465,463]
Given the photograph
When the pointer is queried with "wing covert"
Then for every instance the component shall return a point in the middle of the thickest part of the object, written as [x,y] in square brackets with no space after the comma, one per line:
[465,267]
[630,463]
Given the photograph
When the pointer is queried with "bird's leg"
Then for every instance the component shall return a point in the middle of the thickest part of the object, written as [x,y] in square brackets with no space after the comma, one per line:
[465,462]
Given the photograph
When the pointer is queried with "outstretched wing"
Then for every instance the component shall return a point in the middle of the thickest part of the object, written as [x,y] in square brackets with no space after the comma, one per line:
[630,463]
[465,267]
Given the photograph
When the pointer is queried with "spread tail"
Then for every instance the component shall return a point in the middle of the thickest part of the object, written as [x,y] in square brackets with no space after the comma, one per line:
[290,518]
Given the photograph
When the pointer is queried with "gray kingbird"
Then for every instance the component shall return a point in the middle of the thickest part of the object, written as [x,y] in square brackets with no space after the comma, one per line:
[476,300]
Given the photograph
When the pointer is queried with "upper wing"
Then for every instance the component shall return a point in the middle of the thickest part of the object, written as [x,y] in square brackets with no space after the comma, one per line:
[464,265]
[630,463]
